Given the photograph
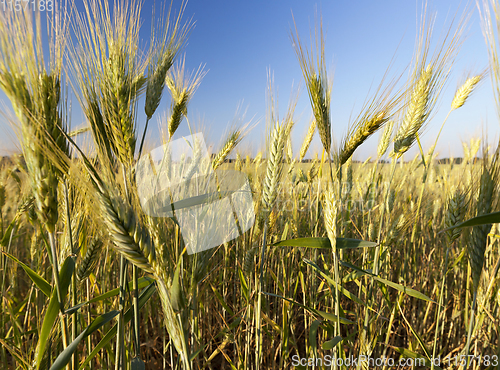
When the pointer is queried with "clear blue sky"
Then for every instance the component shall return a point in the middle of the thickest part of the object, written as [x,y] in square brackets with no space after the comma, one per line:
[240,41]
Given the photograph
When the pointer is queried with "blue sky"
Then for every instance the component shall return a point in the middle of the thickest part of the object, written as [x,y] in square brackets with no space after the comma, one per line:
[240,41]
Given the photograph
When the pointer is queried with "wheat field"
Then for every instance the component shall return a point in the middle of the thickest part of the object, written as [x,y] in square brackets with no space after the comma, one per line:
[393,258]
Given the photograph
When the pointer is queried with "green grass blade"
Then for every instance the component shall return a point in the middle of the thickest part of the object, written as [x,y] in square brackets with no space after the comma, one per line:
[244,285]
[325,315]
[490,218]
[333,318]
[344,291]
[146,294]
[410,354]
[6,237]
[65,356]
[401,288]
[342,243]
[313,334]
[328,345]
[143,282]
[65,275]
[39,281]
[16,353]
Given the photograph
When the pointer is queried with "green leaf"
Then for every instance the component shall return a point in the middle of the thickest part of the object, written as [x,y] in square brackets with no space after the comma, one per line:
[222,301]
[196,353]
[490,218]
[458,259]
[401,288]
[176,292]
[244,285]
[331,317]
[65,275]
[143,282]
[328,345]
[410,354]
[190,202]
[6,237]
[201,199]
[16,353]
[39,281]
[342,243]
[145,295]
[344,291]
[420,341]
[325,315]
[65,356]
[313,333]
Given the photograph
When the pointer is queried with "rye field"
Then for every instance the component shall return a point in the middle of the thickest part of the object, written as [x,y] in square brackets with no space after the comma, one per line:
[331,263]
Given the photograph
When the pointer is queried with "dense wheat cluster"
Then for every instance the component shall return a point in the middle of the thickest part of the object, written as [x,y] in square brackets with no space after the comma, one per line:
[344,259]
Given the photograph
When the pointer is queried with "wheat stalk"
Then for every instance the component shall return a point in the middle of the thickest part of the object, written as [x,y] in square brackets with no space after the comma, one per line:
[35,94]
[313,68]
[274,167]
[2,196]
[416,113]
[105,60]
[455,214]
[385,139]
[307,140]
[231,142]
[89,260]
[364,130]
[182,89]
[477,246]
[165,50]
[129,237]
[464,91]
[330,210]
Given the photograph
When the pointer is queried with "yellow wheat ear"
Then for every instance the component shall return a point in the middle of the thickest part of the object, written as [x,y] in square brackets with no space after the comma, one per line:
[313,65]
[464,91]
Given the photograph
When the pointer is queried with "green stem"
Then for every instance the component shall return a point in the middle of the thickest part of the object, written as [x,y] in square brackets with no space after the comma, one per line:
[259,299]
[364,334]
[471,324]
[337,302]
[74,363]
[55,269]
[426,173]
[440,304]
[120,338]
[143,137]
[89,320]
[135,303]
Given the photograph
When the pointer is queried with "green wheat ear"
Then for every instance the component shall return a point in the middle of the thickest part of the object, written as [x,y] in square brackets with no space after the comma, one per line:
[477,246]
[129,236]
[274,166]
[89,260]
[455,214]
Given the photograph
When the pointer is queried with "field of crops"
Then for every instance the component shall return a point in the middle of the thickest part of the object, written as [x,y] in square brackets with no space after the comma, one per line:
[341,259]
